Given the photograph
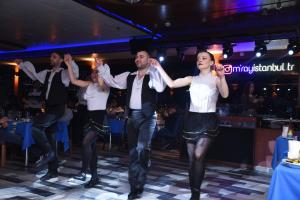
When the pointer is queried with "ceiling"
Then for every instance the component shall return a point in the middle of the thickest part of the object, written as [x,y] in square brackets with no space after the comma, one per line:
[207,20]
[43,23]
[34,28]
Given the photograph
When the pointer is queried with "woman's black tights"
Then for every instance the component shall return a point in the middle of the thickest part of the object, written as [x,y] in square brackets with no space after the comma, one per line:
[89,154]
[197,154]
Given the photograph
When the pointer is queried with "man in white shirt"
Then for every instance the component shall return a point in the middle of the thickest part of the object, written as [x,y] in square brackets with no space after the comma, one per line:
[55,82]
[142,88]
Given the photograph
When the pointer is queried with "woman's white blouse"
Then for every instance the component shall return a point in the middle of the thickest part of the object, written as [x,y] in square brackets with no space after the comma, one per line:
[95,97]
[204,94]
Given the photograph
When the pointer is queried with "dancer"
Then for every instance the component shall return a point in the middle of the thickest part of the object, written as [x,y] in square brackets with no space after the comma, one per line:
[142,88]
[55,83]
[200,123]
[96,96]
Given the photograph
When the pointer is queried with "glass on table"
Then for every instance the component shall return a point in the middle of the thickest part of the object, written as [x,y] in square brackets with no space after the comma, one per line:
[19,115]
[27,116]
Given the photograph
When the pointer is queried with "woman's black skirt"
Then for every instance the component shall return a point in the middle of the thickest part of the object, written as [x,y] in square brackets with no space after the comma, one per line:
[96,115]
[199,125]
[95,122]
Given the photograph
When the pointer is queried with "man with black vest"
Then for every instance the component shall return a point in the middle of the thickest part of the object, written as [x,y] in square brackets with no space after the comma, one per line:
[142,88]
[55,83]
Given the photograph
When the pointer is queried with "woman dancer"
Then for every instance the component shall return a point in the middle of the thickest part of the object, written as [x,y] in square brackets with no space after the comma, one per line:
[96,95]
[200,123]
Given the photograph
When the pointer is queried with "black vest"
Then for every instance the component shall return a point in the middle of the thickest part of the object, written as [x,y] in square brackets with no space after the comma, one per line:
[149,96]
[58,91]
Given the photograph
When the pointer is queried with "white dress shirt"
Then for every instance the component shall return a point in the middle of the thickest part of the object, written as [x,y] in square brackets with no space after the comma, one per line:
[29,69]
[136,93]
[120,81]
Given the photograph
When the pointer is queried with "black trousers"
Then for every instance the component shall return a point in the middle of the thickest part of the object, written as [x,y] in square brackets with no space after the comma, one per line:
[43,132]
[140,130]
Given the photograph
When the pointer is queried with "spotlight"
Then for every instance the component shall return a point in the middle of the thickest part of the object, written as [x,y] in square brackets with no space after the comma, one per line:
[161,55]
[260,48]
[293,47]
[227,50]
[161,58]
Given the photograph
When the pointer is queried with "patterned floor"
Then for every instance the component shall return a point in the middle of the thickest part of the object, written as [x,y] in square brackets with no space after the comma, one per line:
[167,180]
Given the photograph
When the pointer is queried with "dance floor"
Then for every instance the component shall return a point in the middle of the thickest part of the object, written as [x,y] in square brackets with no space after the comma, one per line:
[167,180]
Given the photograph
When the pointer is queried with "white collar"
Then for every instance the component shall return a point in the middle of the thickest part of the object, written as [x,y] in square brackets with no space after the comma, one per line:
[57,70]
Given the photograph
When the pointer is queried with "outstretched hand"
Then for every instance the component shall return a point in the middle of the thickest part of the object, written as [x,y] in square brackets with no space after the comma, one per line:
[68,59]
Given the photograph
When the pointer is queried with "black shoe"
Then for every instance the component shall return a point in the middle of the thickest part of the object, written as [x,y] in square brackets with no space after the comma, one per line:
[140,190]
[92,182]
[49,175]
[81,176]
[195,194]
[136,193]
[47,158]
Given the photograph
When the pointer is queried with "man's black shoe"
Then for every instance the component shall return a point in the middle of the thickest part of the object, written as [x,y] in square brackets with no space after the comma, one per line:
[49,175]
[92,182]
[47,158]
[135,194]
[81,176]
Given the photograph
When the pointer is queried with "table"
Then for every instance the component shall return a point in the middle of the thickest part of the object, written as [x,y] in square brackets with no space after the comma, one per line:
[284,184]
[280,150]
[24,129]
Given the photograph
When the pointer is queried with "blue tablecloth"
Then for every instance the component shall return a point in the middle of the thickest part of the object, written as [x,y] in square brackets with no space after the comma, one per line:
[24,129]
[280,151]
[285,184]
[62,134]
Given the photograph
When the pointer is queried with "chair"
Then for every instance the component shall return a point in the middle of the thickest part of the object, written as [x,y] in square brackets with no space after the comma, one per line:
[116,128]
[3,155]
[106,131]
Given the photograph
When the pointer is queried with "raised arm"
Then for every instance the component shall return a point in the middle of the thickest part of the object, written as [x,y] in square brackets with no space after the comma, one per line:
[65,74]
[180,82]
[71,75]
[102,84]
[119,81]
[156,80]
[28,68]
[221,82]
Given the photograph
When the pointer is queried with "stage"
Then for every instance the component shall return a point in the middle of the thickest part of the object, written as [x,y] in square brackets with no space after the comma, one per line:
[167,180]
